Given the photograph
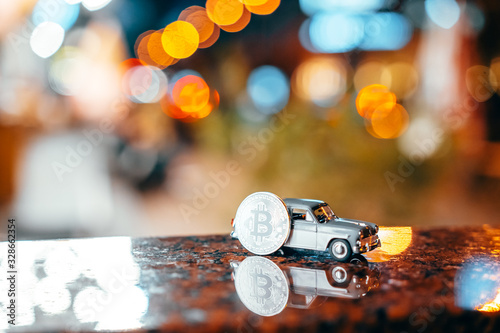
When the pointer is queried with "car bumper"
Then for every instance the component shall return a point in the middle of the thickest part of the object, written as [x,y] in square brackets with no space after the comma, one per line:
[367,244]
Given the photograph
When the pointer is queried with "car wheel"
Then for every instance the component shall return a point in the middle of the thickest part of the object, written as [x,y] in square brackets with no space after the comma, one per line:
[339,274]
[358,260]
[340,250]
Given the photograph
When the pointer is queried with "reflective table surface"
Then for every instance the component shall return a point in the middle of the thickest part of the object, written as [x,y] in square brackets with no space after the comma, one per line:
[421,280]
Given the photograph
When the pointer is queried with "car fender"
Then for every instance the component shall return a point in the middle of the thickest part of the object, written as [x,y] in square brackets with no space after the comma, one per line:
[324,240]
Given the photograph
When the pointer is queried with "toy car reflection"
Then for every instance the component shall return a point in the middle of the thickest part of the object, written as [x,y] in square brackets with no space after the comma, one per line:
[266,289]
[314,226]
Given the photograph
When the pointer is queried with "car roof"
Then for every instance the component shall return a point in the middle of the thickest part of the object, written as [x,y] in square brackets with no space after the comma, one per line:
[303,203]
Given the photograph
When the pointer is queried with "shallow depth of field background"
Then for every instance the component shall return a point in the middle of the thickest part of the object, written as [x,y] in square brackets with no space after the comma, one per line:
[387,110]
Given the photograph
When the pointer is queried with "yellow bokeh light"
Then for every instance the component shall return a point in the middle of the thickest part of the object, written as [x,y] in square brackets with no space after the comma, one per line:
[198,17]
[389,121]
[180,39]
[203,112]
[371,97]
[492,306]
[224,12]
[395,240]
[240,24]
[265,9]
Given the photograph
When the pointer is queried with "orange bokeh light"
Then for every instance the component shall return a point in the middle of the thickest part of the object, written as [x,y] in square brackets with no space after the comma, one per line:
[224,12]
[204,112]
[198,17]
[171,109]
[125,65]
[389,121]
[180,39]
[395,240]
[253,2]
[191,93]
[212,39]
[492,306]
[371,97]
[240,24]
[156,51]
[141,49]
[264,9]
[190,99]
[215,99]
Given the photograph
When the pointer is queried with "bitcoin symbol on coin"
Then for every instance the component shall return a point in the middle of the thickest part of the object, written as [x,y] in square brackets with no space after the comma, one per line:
[261,285]
[262,223]
[261,227]
[261,291]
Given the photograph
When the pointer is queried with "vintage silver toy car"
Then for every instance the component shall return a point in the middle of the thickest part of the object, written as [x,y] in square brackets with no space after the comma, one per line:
[264,223]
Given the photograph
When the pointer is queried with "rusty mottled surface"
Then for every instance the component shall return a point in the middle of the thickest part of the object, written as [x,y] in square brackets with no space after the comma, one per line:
[432,286]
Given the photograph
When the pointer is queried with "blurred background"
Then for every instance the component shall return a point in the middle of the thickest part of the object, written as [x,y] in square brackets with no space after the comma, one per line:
[149,117]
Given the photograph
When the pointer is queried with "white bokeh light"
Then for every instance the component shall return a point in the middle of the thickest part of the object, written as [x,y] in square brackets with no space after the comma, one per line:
[145,84]
[46,39]
[93,5]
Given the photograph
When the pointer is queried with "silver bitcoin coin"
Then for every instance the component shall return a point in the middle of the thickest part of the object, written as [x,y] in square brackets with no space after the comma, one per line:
[261,286]
[262,223]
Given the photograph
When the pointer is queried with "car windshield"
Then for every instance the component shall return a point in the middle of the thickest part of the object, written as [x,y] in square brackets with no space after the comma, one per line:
[324,213]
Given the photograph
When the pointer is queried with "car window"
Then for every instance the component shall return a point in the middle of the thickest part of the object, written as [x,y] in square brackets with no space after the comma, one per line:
[324,213]
[301,215]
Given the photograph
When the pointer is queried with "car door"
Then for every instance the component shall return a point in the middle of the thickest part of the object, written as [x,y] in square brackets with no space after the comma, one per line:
[304,229]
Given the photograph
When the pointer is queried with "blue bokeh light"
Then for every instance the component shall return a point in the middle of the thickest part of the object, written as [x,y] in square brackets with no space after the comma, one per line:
[57,11]
[386,31]
[310,7]
[305,37]
[474,285]
[269,89]
[445,13]
[336,32]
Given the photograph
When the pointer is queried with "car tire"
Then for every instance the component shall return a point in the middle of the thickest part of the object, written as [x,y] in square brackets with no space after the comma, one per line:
[340,250]
[339,274]
[358,260]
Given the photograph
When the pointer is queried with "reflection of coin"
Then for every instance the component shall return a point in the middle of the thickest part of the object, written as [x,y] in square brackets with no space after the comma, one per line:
[261,286]
[262,223]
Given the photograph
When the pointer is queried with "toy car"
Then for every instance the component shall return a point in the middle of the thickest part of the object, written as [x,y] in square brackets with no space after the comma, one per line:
[314,226]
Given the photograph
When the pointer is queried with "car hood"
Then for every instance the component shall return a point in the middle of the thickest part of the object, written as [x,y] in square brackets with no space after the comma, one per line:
[339,225]
[359,223]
